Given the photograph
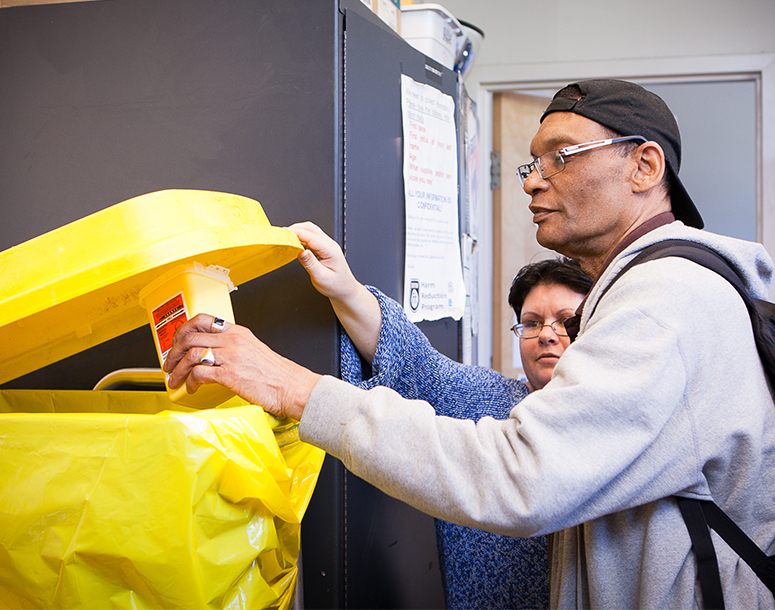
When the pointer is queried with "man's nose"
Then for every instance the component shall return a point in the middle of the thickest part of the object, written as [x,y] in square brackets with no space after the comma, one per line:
[533,182]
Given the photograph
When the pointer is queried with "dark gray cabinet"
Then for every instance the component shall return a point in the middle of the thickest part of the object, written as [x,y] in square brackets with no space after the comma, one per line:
[293,103]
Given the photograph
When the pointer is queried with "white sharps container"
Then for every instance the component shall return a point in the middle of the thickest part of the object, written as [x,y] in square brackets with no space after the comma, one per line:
[176,297]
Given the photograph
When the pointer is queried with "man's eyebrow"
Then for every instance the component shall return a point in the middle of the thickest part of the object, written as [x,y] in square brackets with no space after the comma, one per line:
[554,143]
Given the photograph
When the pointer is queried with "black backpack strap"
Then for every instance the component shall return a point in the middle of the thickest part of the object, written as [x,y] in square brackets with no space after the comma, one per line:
[696,252]
[760,563]
[704,553]
[699,515]
[762,313]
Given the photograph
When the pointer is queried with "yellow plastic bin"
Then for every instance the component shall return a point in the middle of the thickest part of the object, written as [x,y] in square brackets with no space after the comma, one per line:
[123,499]
[85,289]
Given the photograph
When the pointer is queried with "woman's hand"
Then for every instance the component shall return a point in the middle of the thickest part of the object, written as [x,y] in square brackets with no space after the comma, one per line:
[324,261]
[357,308]
[241,363]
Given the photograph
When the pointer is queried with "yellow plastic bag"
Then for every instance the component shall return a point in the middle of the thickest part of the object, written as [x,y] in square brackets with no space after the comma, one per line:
[105,502]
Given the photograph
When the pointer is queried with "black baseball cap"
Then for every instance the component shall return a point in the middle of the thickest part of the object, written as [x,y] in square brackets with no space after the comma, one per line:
[631,110]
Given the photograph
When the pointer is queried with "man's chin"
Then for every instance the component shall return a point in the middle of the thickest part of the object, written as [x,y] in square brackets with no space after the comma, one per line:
[549,240]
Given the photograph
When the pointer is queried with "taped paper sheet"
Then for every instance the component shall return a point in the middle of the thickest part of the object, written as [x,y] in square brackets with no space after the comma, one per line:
[433,273]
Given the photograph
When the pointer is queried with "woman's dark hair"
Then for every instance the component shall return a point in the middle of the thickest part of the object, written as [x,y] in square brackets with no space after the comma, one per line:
[562,271]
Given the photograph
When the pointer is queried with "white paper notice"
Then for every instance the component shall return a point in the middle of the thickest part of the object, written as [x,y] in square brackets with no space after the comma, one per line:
[433,272]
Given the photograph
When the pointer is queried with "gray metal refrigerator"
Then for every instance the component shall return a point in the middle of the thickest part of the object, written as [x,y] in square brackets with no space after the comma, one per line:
[293,103]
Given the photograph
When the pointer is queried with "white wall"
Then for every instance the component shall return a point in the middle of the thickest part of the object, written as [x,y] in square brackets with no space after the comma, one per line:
[549,43]
[518,32]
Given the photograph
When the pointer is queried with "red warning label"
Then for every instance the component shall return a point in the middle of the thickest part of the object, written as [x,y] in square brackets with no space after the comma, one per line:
[167,318]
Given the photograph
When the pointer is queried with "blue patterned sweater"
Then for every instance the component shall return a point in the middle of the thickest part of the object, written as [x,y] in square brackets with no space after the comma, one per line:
[479,569]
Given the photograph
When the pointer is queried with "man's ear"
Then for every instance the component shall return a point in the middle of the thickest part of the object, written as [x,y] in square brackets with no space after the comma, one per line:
[650,167]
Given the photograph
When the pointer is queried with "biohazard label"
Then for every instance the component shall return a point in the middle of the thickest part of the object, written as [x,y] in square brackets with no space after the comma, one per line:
[167,318]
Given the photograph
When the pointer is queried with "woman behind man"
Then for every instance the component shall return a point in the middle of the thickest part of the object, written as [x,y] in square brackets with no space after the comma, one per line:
[382,348]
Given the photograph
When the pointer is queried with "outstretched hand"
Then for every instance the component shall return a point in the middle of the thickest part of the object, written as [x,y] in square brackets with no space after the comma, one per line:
[241,363]
[357,309]
[324,261]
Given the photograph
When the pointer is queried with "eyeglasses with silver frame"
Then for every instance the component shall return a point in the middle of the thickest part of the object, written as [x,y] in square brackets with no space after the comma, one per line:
[530,330]
[553,162]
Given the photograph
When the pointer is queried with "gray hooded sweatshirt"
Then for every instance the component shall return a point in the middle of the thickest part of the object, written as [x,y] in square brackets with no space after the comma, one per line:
[663,393]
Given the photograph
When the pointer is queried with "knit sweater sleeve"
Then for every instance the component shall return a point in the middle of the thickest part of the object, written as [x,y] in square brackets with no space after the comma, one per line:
[406,362]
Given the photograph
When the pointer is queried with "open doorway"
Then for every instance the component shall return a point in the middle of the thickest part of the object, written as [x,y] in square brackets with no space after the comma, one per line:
[719,122]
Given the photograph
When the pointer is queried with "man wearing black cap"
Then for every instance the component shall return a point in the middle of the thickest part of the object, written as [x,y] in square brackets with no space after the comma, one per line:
[661,394]
[580,212]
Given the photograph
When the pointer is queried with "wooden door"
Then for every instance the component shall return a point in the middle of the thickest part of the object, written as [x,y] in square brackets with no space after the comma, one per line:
[515,122]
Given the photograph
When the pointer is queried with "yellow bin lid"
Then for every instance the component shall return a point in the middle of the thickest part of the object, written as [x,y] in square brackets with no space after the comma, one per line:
[77,286]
